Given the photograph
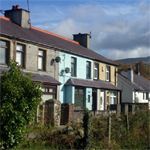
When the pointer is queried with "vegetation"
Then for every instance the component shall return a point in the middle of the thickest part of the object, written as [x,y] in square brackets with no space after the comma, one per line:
[144,69]
[19,99]
[136,136]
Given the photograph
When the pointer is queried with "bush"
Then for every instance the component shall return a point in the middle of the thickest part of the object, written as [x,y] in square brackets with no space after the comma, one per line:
[19,99]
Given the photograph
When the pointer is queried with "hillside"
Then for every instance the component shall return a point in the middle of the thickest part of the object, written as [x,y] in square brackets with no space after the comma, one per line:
[145,60]
[144,69]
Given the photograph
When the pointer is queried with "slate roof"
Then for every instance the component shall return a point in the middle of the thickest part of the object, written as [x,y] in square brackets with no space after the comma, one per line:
[38,36]
[139,82]
[89,83]
[45,79]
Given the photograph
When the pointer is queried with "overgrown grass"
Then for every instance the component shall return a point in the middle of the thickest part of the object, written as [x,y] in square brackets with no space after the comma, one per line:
[136,136]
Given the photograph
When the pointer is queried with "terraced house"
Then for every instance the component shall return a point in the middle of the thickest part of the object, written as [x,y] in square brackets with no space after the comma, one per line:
[69,70]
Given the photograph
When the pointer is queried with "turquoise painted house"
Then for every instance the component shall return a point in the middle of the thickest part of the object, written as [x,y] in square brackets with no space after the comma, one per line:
[83,82]
[77,69]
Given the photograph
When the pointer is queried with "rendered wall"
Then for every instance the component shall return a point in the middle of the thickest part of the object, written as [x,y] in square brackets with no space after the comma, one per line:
[80,70]
[102,72]
[89,103]
[127,94]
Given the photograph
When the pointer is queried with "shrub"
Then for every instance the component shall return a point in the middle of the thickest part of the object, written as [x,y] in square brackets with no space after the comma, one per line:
[19,99]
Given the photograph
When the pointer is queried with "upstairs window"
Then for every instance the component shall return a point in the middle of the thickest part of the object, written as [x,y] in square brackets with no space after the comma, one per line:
[88,70]
[96,70]
[73,66]
[4,52]
[20,55]
[42,60]
[107,73]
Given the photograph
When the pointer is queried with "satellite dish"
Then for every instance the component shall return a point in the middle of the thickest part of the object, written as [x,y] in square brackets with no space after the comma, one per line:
[67,70]
[57,59]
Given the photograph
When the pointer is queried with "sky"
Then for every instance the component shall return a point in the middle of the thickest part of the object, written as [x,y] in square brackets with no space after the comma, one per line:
[119,28]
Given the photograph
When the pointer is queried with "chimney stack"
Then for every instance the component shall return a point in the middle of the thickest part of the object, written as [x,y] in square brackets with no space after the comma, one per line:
[19,16]
[83,39]
[130,74]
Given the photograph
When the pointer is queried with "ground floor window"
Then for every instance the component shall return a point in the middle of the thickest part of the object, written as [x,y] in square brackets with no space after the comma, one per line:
[49,92]
[147,95]
[113,97]
[79,99]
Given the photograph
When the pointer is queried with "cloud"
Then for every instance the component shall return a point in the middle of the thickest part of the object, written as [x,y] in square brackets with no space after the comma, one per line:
[118,54]
[121,30]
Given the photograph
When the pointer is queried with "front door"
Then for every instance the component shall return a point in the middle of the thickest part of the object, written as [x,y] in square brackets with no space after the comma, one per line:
[102,101]
[94,99]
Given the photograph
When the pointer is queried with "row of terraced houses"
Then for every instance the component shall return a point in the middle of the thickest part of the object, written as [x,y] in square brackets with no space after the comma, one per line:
[70,71]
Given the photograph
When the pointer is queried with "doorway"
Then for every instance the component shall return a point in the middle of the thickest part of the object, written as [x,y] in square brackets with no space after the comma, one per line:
[94,99]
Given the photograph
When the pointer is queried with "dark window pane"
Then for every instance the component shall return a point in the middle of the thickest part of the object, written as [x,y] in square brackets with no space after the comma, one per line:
[88,69]
[73,66]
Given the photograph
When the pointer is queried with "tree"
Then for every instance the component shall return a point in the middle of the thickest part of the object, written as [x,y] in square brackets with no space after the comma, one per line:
[20,97]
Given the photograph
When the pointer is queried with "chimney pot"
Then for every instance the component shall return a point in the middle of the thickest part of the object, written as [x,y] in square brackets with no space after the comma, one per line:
[13,7]
[17,7]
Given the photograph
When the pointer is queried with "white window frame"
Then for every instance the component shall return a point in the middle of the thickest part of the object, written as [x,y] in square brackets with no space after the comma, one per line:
[107,73]
[22,52]
[43,57]
[113,96]
[96,69]
[6,51]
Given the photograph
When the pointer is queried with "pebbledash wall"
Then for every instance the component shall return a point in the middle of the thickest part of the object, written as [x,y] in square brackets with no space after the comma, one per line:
[31,60]
[67,93]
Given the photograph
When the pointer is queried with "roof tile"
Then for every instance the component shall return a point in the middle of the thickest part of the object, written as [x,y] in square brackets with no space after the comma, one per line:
[49,39]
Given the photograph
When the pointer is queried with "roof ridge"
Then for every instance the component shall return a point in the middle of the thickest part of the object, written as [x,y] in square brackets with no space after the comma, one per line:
[59,36]
[5,18]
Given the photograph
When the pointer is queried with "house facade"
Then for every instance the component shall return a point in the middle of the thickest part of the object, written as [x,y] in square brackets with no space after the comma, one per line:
[88,79]
[135,88]
[69,70]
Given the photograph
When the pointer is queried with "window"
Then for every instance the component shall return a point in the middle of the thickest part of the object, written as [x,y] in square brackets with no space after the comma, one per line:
[107,100]
[113,97]
[88,70]
[96,70]
[4,52]
[51,91]
[79,99]
[107,73]
[143,95]
[20,55]
[73,66]
[42,60]
[147,95]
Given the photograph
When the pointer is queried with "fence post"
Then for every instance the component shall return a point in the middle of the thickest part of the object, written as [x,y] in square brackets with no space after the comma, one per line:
[109,126]
[118,109]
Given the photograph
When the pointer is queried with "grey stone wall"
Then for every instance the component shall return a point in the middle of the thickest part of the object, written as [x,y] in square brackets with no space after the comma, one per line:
[31,58]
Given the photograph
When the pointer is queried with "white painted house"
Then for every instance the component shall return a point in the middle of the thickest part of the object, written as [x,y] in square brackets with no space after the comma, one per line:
[135,88]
